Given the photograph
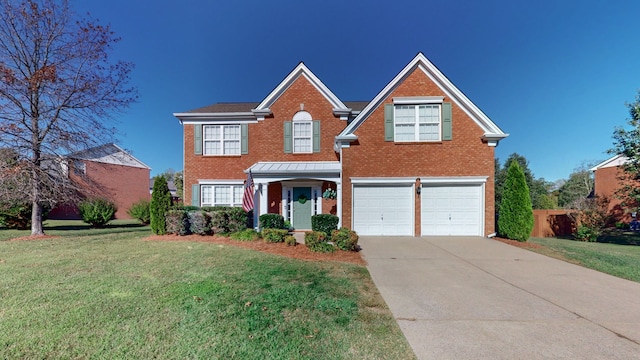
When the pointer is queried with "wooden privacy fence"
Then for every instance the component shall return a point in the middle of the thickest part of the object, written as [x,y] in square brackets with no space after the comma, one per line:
[551,223]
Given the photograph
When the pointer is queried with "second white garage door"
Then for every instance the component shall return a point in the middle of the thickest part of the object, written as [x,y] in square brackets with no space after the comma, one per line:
[452,210]
[383,210]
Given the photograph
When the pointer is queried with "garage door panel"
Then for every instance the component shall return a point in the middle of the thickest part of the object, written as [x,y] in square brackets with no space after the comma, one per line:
[452,210]
[383,210]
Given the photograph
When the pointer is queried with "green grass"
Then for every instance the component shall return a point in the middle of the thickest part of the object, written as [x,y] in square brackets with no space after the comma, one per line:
[611,258]
[78,228]
[91,294]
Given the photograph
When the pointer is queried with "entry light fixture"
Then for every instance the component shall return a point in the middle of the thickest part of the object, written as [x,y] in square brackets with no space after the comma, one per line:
[418,189]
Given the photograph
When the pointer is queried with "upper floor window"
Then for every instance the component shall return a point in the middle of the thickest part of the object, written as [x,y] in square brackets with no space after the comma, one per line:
[302,132]
[418,119]
[417,122]
[221,139]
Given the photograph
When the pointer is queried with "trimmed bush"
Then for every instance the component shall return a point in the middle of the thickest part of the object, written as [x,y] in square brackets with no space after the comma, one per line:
[237,219]
[290,240]
[245,235]
[140,211]
[325,223]
[515,219]
[160,204]
[316,241]
[177,222]
[219,222]
[199,222]
[345,239]
[274,235]
[587,233]
[97,212]
[271,221]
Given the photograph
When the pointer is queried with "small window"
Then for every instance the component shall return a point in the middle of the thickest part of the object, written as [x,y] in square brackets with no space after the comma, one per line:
[221,195]
[417,122]
[221,139]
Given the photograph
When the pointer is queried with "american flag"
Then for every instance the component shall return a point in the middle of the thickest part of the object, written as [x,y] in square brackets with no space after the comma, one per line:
[247,197]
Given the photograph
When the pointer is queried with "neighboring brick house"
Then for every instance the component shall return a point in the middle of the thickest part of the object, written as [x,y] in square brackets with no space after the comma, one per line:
[416,160]
[106,171]
[607,180]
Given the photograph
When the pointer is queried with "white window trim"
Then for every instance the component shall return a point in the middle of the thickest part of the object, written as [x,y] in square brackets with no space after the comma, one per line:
[221,139]
[416,104]
[294,137]
[232,187]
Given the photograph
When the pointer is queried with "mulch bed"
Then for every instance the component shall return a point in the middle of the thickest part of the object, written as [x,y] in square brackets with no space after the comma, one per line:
[297,252]
[520,244]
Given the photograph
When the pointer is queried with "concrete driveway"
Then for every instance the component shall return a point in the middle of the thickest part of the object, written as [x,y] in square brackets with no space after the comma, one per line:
[477,298]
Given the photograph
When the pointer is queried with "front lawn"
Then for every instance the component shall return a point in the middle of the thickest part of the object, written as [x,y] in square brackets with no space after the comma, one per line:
[111,294]
[611,258]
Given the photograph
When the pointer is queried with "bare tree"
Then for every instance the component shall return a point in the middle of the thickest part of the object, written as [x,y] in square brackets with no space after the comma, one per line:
[58,93]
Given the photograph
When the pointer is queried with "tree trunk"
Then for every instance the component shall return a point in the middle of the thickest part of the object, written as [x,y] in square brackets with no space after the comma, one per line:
[36,219]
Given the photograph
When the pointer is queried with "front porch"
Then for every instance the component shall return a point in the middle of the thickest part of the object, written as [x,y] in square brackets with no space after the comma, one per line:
[295,189]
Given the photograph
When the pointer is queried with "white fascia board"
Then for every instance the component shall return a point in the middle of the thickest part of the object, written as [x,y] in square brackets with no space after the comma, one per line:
[209,117]
[493,139]
[611,162]
[383,180]
[413,100]
[471,180]
[220,182]
[301,70]
[143,165]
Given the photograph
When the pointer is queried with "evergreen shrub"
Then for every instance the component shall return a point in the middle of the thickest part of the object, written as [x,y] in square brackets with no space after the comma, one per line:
[97,212]
[141,211]
[515,218]
[160,204]
[271,221]
[325,223]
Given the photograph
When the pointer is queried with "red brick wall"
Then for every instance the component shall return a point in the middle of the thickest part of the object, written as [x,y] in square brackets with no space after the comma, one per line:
[607,182]
[124,185]
[464,155]
[266,141]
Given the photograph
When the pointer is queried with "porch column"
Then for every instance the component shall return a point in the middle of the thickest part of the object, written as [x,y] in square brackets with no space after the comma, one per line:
[339,203]
[264,198]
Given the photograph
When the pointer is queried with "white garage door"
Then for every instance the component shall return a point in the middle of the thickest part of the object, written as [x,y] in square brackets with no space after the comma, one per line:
[452,210]
[383,210]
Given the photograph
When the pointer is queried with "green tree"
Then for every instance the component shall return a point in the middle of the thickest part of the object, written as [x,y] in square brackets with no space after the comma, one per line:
[539,189]
[578,186]
[160,204]
[515,218]
[626,142]
[178,181]
[58,89]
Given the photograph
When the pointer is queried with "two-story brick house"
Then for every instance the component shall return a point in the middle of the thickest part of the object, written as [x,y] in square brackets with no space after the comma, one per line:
[416,160]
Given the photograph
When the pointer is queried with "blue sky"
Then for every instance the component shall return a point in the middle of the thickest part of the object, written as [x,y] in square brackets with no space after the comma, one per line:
[555,75]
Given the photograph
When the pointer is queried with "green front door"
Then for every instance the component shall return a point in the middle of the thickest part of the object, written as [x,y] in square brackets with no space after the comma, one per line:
[302,208]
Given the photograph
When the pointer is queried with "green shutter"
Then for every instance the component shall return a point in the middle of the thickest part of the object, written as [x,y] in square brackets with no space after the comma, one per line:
[388,122]
[197,139]
[316,135]
[244,138]
[195,195]
[288,140]
[446,121]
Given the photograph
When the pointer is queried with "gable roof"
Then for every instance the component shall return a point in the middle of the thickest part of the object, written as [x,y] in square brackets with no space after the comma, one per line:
[492,133]
[108,154]
[615,161]
[251,111]
[339,108]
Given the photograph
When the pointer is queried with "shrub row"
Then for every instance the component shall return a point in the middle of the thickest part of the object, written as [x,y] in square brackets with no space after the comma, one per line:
[206,221]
